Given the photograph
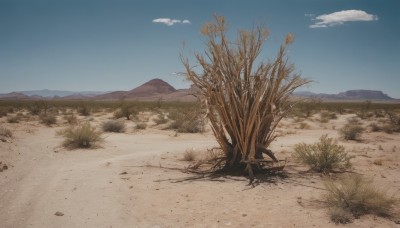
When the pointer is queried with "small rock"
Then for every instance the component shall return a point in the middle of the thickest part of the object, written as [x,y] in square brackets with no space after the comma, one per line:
[123,173]
[5,167]
[244,215]
[59,213]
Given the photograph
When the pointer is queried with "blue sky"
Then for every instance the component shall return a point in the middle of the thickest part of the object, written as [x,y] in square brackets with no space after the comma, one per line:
[104,45]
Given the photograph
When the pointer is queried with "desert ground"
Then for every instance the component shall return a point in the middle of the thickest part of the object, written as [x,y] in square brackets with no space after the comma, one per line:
[138,179]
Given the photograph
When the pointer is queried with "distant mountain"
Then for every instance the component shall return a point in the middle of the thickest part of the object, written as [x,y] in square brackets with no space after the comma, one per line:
[60,93]
[14,96]
[152,88]
[157,88]
[348,95]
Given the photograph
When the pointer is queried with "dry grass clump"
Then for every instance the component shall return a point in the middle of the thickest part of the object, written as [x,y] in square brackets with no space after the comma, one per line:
[323,156]
[356,196]
[141,126]
[113,126]
[13,119]
[340,216]
[71,119]
[84,110]
[3,112]
[354,121]
[304,125]
[160,119]
[48,119]
[189,155]
[326,116]
[6,132]
[82,136]
[351,132]
[375,127]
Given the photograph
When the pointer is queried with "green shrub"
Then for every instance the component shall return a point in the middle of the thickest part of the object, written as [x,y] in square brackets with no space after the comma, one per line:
[48,119]
[323,156]
[190,121]
[357,196]
[82,136]
[326,116]
[113,126]
[351,132]
[126,111]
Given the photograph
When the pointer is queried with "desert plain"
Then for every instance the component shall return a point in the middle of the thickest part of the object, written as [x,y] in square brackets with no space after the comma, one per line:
[138,178]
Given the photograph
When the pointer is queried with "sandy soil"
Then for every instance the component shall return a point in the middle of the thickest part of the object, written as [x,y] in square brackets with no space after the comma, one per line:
[126,182]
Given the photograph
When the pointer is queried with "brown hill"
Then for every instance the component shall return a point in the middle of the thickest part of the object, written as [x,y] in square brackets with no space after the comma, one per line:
[14,96]
[152,88]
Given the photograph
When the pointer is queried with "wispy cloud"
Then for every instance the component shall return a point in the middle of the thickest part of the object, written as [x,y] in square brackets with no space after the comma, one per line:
[170,22]
[340,17]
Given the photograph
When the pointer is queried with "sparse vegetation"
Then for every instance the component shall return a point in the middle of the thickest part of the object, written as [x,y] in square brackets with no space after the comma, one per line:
[84,110]
[326,116]
[356,196]
[189,155]
[351,132]
[127,111]
[375,127]
[39,107]
[6,132]
[160,119]
[3,112]
[48,119]
[13,119]
[394,123]
[340,216]
[304,125]
[141,126]
[189,121]
[323,156]
[82,136]
[71,119]
[113,126]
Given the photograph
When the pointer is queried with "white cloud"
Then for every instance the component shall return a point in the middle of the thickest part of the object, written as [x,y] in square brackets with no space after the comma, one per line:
[340,17]
[170,22]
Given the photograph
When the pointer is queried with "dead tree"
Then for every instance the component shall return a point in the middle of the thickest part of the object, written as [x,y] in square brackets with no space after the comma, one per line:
[244,102]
